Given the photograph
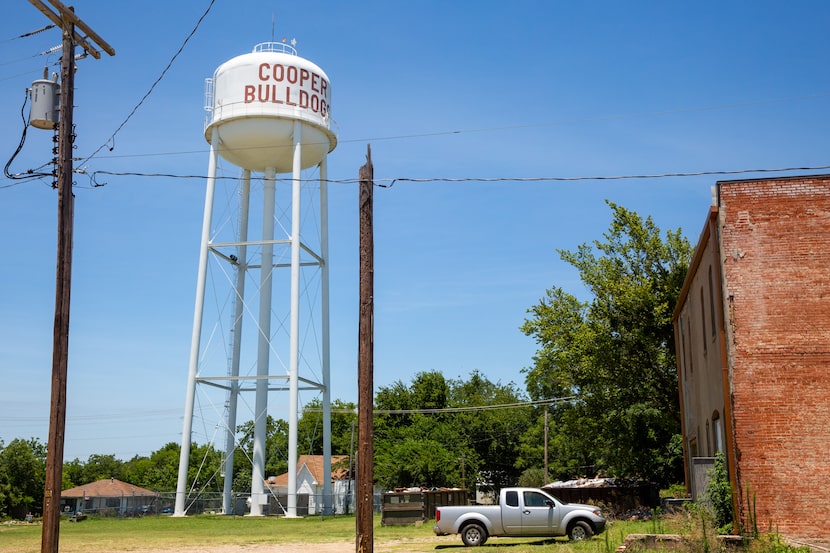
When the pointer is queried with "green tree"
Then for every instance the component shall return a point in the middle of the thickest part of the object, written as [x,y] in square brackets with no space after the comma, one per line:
[22,477]
[73,473]
[159,471]
[406,442]
[204,471]
[276,451]
[491,437]
[140,471]
[101,467]
[164,473]
[428,463]
[532,478]
[439,432]
[310,427]
[614,354]
[430,390]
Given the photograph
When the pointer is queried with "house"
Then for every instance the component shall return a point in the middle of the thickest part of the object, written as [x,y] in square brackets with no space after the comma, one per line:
[752,336]
[109,497]
[310,480]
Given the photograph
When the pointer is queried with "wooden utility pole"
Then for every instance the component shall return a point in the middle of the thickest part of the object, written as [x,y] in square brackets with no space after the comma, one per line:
[547,481]
[66,19]
[63,278]
[365,366]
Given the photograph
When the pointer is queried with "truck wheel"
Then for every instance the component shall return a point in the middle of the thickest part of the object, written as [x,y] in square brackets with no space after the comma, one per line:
[580,530]
[473,534]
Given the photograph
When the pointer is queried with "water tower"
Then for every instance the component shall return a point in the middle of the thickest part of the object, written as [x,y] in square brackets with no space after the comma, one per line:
[269,113]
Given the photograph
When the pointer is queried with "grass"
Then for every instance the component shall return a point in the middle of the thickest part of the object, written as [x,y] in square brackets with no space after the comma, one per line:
[202,532]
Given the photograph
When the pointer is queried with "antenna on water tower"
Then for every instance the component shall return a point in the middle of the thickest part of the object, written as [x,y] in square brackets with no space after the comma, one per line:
[268,112]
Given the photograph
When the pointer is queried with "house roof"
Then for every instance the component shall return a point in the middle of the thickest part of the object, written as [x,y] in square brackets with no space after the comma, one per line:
[109,487]
[314,464]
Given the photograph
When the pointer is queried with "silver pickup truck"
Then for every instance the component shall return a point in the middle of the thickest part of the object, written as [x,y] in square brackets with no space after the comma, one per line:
[521,512]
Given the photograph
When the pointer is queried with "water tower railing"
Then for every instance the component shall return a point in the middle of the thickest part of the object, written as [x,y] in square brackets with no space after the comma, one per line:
[275,47]
[239,110]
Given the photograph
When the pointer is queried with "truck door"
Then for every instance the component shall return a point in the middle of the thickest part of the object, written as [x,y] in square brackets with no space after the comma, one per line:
[511,514]
[540,517]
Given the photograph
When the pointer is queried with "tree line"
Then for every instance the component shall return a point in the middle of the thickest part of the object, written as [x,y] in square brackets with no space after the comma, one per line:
[604,371]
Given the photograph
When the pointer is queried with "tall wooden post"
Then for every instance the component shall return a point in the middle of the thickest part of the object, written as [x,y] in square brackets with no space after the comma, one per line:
[64,17]
[547,478]
[365,367]
[63,280]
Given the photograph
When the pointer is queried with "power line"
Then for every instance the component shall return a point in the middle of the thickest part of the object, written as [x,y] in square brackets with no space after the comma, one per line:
[139,414]
[611,117]
[48,52]
[606,177]
[474,408]
[31,173]
[392,181]
[563,122]
[469,408]
[30,33]
[29,72]
[389,182]
[111,139]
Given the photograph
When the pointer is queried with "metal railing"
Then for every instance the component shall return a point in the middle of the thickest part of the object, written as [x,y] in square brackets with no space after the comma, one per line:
[277,47]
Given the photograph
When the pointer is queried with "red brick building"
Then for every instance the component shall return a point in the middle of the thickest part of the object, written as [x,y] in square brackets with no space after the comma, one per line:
[752,335]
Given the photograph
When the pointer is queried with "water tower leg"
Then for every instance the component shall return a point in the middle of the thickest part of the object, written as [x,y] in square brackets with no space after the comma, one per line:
[294,338]
[258,497]
[324,334]
[233,394]
[195,340]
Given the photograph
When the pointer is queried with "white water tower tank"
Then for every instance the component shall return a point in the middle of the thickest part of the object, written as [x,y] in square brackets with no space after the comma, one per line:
[255,99]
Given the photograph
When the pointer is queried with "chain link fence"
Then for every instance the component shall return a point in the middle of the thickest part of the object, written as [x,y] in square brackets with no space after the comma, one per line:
[277,504]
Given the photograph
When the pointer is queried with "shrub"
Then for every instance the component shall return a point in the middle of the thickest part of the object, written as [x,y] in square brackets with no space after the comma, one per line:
[719,493]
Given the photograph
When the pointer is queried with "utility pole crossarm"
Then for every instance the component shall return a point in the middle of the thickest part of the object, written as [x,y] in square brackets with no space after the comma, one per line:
[66,15]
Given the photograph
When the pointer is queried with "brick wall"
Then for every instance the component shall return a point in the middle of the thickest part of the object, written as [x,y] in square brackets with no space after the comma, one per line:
[775,243]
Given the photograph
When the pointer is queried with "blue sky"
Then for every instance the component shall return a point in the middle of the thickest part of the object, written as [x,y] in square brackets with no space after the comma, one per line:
[440,90]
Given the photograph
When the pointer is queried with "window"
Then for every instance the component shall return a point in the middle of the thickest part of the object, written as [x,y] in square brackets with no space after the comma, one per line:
[691,357]
[535,499]
[708,440]
[716,422]
[683,364]
[711,301]
[512,499]
[703,319]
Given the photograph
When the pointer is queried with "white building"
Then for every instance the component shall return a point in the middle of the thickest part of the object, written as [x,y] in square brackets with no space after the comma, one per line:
[310,484]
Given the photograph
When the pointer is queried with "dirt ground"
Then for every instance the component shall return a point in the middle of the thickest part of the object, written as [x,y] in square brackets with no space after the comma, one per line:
[336,547]
[330,547]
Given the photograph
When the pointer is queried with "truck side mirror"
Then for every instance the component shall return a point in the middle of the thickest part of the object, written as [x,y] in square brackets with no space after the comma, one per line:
[549,503]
